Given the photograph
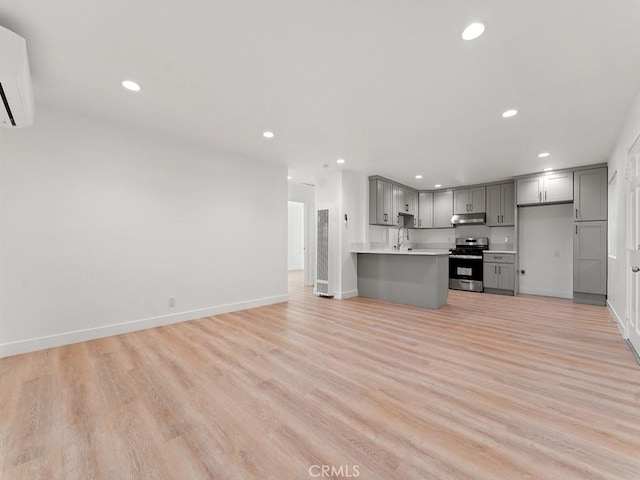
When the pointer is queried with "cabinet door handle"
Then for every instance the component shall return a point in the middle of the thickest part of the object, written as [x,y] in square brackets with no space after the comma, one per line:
[406,207]
[495,269]
[471,207]
[384,217]
[576,229]
[576,213]
[420,223]
[545,195]
[540,196]
[499,269]
[498,219]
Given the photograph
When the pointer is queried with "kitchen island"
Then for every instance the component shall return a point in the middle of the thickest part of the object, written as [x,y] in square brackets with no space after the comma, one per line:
[412,277]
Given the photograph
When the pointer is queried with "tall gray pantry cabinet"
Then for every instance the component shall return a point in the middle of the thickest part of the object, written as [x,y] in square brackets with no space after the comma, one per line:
[590,236]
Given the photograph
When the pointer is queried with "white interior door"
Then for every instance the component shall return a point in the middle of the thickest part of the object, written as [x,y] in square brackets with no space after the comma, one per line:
[633,245]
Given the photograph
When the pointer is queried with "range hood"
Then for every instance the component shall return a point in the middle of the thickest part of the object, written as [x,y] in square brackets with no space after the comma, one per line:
[469,219]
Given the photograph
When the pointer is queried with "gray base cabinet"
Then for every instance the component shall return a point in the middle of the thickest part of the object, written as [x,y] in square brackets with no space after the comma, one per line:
[590,261]
[499,273]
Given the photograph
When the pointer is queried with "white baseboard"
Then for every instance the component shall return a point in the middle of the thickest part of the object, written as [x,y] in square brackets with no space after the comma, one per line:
[67,338]
[545,293]
[347,294]
[619,323]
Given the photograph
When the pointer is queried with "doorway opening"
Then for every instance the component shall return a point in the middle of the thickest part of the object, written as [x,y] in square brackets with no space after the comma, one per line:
[301,235]
[295,246]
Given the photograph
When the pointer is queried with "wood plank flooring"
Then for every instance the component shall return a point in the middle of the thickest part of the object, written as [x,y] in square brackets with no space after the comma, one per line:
[486,388]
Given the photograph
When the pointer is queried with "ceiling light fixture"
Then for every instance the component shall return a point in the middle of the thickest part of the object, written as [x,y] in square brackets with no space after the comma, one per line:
[543,154]
[548,169]
[510,113]
[438,185]
[418,177]
[289,177]
[268,134]
[340,160]
[473,31]
[131,85]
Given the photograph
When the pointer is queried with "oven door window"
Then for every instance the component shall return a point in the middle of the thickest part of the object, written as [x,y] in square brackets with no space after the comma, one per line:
[464,271]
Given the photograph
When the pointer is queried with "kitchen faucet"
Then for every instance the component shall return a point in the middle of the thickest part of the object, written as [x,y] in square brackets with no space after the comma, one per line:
[400,239]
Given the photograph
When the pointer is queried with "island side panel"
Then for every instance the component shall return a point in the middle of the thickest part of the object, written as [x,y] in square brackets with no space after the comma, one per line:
[420,281]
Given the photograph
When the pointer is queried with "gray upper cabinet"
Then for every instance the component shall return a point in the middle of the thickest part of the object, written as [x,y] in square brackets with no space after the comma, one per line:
[469,200]
[529,190]
[558,187]
[590,257]
[590,194]
[547,188]
[381,203]
[410,204]
[500,205]
[425,209]
[407,204]
[442,208]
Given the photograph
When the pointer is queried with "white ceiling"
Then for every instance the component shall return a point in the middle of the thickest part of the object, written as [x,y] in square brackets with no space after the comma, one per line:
[388,85]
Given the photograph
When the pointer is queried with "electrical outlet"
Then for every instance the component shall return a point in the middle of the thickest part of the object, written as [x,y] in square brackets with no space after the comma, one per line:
[172,302]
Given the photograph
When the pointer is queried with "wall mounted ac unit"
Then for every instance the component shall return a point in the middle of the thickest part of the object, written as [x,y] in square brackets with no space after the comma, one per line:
[16,90]
[323,288]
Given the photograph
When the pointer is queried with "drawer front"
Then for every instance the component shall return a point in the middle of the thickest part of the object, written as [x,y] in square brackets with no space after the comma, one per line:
[499,257]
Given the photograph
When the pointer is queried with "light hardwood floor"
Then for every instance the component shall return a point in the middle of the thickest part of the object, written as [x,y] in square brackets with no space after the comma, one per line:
[488,387]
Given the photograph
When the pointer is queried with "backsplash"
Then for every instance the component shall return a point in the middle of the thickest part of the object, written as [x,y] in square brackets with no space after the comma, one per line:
[500,238]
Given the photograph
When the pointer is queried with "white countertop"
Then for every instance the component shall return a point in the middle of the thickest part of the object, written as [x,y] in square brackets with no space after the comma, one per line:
[499,251]
[434,252]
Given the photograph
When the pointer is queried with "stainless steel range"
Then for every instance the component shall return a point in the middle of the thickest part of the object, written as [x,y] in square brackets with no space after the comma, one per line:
[465,264]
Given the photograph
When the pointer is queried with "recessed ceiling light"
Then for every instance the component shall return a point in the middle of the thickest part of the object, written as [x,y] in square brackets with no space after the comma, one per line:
[437,185]
[131,85]
[289,177]
[418,177]
[473,31]
[548,169]
[340,160]
[510,113]
[268,134]
[543,154]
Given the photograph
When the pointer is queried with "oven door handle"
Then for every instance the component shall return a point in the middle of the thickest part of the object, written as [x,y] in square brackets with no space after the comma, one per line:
[467,257]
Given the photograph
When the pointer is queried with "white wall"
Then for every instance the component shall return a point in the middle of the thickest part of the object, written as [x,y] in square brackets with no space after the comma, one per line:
[355,206]
[617,266]
[546,250]
[327,196]
[343,192]
[100,226]
[295,243]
